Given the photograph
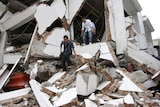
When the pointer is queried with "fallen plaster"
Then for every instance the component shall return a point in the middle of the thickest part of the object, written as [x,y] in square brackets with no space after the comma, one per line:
[14,94]
[66,97]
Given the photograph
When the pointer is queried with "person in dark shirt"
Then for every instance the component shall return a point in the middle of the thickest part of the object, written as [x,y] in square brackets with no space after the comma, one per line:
[68,47]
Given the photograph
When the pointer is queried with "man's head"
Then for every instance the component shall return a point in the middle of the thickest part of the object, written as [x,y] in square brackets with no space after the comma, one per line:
[65,37]
[83,19]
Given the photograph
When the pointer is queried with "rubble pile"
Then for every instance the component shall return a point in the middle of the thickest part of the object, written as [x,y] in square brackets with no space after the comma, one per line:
[91,82]
[100,75]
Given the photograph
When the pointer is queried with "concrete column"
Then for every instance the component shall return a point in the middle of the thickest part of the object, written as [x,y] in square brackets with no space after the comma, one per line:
[139,26]
[3,38]
[119,26]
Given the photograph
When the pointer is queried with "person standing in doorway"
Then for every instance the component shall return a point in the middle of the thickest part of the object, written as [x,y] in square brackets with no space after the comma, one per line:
[86,30]
[68,47]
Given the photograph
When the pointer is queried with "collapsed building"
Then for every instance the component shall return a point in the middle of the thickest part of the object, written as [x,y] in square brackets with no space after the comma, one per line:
[118,70]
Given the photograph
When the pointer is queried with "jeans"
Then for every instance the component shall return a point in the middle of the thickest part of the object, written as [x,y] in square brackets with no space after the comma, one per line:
[89,34]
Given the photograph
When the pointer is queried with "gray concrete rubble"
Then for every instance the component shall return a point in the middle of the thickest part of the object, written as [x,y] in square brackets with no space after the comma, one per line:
[117,70]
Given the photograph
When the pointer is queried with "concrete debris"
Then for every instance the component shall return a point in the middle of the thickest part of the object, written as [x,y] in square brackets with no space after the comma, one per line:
[118,72]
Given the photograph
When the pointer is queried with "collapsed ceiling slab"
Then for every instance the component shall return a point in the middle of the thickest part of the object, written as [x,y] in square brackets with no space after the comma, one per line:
[145,59]
[19,19]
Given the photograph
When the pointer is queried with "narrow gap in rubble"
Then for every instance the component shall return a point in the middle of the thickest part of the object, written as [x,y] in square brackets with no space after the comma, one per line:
[56,23]
[22,35]
[125,14]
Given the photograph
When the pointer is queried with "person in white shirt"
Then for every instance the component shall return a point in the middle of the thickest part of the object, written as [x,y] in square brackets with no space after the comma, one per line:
[87,27]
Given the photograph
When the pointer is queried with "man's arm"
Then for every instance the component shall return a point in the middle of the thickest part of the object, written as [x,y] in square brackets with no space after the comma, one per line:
[82,33]
[74,51]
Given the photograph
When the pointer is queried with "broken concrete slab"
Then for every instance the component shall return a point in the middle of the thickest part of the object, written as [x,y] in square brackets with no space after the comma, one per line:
[144,58]
[66,97]
[89,103]
[150,83]
[20,18]
[129,101]
[42,100]
[44,17]
[56,36]
[73,7]
[14,94]
[51,50]
[127,84]
[59,7]
[11,58]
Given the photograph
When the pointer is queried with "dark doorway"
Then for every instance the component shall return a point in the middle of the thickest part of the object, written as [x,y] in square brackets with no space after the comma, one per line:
[94,10]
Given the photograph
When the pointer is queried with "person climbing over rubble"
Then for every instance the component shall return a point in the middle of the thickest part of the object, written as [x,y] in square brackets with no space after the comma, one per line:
[86,30]
[68,48]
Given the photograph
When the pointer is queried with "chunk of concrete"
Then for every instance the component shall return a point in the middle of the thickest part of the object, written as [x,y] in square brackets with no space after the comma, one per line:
[14,94]
[66,97]
[10,58]
[86,83]
[89,103]
[129,100]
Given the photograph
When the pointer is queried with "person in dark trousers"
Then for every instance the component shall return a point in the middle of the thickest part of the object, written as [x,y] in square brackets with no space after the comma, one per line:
[68,47]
